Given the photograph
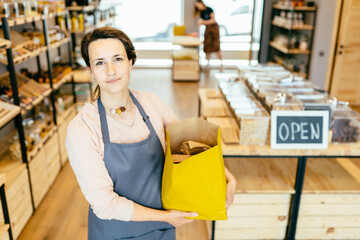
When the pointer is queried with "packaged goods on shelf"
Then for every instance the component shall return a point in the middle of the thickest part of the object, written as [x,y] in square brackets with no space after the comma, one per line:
[51,6]
[35,130]
[58,73]
[254,125]
[63,103]
[345,126]
[29,90]
[252,119]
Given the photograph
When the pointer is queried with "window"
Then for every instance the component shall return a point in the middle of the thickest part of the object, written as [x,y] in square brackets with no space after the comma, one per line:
[144,20]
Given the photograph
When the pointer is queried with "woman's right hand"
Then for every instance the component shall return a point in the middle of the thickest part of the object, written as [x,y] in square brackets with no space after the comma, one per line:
[178,218]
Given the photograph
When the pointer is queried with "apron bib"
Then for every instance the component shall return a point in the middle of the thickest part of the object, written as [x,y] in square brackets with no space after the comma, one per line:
[136,171]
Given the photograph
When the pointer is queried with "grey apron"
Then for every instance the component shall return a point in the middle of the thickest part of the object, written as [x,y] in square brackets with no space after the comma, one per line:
[136,170]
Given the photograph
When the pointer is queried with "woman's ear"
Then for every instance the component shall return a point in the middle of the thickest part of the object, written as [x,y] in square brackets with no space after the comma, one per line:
[131,64]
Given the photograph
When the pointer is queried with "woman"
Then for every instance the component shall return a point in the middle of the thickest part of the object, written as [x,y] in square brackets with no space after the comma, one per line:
[211,36]
[116,147]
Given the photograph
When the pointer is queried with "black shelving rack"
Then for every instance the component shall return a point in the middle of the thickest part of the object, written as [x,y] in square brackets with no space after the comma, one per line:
[288,29]
[18,119]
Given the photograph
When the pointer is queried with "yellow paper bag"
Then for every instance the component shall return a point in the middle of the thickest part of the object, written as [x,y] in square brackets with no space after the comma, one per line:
[198,184]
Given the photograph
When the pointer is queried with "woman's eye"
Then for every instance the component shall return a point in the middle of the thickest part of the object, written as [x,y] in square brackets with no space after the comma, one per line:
[118,59]
[100,63]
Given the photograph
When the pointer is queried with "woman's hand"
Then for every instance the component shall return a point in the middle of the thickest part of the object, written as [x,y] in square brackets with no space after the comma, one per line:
[178,218]
[230,188]
[200,22]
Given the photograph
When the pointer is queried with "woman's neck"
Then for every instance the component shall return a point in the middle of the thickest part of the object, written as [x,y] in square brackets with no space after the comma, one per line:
[115,100]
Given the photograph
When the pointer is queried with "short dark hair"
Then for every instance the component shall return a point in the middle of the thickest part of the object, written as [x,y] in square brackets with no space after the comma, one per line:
[104,33]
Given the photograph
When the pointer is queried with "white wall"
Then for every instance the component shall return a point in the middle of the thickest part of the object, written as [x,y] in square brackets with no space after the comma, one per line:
[322,41]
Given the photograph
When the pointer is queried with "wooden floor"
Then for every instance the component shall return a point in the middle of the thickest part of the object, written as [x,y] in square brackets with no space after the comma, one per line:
[63,212]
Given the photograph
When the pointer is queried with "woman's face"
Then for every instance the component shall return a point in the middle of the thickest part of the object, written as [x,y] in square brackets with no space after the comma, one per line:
[109,65]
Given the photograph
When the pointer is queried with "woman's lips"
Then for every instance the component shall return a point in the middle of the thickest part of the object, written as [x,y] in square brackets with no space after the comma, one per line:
[113,81]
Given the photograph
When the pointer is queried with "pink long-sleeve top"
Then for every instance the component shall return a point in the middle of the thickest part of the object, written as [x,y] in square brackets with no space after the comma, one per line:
[85,148]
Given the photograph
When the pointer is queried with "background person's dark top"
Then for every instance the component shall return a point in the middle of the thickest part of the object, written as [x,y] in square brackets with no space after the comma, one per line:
[205,15]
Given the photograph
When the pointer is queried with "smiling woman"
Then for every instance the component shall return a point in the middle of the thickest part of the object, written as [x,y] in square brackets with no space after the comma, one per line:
[120,173]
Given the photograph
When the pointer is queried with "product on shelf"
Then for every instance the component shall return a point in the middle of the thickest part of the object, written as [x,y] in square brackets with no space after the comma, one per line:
[35,130]
[253,120]
[291,3]
[60,70]
[345,126]
[63,103]
[29,90]
[254,125]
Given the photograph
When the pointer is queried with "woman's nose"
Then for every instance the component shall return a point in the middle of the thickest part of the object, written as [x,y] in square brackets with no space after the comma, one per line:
[110,69]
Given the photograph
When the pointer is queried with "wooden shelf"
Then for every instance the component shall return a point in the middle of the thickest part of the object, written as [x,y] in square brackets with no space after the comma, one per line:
[252,175]
[80,8]
[28,55]
[11,168]
[59,83]
[4,44]
[87,29]
[289,8]
[59,43]
[68,112]
[4,230]
[104,23]
[324,175]
[40,145]
[65,79]
[288,51]
[294,27]
[7,112]
[22,20]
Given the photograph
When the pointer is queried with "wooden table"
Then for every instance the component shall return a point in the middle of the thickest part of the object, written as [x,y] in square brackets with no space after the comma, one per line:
[350,150]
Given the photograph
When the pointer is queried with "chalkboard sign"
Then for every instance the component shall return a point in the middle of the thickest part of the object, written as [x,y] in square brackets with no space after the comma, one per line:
[299,129]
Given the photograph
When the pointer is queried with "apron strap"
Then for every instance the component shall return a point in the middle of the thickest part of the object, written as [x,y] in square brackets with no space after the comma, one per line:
[103,122]
[104,125]
[143,113]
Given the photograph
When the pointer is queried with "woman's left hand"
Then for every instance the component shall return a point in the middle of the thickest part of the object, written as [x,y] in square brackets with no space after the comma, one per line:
[200,22]
[230,188]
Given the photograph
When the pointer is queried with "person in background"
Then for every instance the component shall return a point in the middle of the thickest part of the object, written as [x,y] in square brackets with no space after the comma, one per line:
[116,148]
[211,36]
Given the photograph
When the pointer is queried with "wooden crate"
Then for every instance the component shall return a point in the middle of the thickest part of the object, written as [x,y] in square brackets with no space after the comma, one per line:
[261,207]
[186,70]
[19,202]
[52,156]
[38,177]
[330,204]
[212,107]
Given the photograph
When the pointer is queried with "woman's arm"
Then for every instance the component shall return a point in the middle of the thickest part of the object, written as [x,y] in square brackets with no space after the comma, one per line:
[207,22]
[230,188]
[176,218]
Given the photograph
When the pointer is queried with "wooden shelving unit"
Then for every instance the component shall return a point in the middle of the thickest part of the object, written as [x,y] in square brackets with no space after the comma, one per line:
[29,178]
[24,57]
[289,8]
[292,28]
[288,51]
[7,112]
